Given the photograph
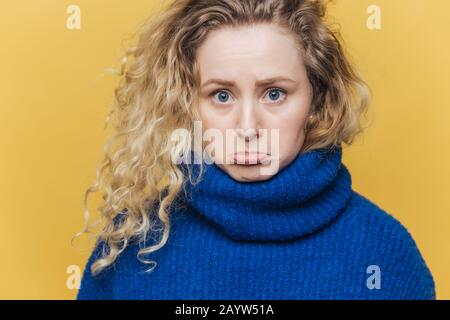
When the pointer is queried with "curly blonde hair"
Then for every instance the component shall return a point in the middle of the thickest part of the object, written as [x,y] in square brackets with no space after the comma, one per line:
[157,95]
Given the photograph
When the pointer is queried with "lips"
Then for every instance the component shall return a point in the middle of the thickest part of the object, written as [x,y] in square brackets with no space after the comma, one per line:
[250,157]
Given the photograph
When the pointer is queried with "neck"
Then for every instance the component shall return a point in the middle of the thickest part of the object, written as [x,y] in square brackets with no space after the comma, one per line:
[301,198]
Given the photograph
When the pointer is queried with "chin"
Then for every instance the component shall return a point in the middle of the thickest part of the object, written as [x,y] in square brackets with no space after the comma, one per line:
[245,173]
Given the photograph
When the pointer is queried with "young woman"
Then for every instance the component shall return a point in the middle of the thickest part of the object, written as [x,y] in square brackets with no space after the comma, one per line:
[281,222]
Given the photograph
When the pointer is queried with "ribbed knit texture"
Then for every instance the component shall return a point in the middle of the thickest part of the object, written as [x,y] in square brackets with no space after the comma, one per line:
[302,234]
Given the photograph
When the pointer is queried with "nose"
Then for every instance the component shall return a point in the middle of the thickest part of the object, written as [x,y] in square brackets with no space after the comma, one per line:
[247,123]
[247,135]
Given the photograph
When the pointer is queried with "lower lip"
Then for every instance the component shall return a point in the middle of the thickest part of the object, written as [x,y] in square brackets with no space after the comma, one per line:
[251,158]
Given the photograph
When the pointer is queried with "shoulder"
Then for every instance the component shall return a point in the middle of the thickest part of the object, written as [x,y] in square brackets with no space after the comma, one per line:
[375,221]
[95,287]
[388,243]
[98,286]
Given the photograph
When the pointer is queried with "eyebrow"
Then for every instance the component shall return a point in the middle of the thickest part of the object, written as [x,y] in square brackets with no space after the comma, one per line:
[259,83]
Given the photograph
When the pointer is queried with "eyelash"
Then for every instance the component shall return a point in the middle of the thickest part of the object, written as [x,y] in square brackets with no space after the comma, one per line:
[266,92]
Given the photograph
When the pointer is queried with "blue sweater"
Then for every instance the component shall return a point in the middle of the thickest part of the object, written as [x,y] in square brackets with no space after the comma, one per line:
[302,234]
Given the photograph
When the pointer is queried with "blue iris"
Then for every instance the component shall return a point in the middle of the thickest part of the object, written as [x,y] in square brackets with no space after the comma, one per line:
[276,96]
[224,95]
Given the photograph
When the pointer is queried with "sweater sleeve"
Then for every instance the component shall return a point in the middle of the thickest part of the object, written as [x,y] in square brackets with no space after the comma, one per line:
[412,277]
[98,287]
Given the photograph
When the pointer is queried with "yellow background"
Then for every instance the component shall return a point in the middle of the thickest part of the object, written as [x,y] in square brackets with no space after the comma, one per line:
[54,100]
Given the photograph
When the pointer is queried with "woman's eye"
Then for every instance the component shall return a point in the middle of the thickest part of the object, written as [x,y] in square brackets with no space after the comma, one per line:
[276,95]
[221,96]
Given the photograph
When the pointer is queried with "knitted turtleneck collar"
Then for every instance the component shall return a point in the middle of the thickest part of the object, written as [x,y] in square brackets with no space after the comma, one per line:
[301,198]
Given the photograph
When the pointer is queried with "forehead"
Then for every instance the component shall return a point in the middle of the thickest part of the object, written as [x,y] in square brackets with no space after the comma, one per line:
[260,48]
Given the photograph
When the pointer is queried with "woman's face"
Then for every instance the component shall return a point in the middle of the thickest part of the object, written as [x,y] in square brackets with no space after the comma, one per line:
[252,78]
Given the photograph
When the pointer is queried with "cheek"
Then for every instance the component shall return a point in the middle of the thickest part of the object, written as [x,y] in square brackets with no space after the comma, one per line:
[291,123]
[291,133]
[211,118]
[211,123]
[204,115]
